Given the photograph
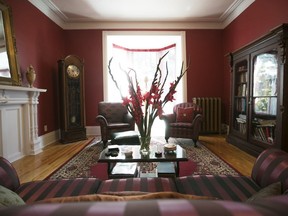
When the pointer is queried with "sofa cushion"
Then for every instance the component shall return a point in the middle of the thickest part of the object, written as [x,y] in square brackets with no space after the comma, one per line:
[237,188]
[39,190]
[9,198]
[137,184]
[274,189]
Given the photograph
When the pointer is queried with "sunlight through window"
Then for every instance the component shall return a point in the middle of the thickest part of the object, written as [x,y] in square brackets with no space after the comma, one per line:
[141,51]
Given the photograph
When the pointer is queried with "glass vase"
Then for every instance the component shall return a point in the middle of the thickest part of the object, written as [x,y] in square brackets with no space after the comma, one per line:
[145,145]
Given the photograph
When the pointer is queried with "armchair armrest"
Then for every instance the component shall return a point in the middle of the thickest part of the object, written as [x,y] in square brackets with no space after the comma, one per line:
[102,120]
[196,123]
[129,119]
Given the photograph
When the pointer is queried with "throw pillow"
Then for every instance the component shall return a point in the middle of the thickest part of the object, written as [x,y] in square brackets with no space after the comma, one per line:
[105,197]
[124,193]
[273,189]
[185,114]
[9,198]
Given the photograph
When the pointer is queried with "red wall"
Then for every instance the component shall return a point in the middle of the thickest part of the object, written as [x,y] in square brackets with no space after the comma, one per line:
[41,42]
[255,21]
[201,45]
[87,44]
[204,50]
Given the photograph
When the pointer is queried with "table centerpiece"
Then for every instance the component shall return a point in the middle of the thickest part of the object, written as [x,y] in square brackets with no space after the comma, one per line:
[146,106]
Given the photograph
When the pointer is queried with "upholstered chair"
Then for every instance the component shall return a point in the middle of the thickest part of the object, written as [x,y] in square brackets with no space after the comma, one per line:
[184,122]
[113,117]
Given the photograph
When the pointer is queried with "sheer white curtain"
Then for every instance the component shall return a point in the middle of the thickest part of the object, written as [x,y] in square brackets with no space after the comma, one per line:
[143,59]
[143,62]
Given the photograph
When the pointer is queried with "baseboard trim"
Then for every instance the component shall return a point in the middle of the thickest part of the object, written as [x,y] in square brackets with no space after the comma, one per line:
[50,138]
[93,130]
[54,136]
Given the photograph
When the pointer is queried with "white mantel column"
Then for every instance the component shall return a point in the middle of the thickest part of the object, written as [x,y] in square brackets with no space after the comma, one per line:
[19,121]
[33,140]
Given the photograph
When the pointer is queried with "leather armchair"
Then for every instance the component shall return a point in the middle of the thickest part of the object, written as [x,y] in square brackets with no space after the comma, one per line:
[188,127]
[113,117]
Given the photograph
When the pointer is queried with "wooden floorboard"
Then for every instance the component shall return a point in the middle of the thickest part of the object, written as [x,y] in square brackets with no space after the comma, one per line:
[40,166]
[240,160]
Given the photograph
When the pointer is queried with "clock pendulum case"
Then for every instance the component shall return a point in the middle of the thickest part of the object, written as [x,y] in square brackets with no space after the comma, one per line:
[72,101]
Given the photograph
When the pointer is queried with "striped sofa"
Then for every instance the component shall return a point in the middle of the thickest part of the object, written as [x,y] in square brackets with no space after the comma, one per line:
[270,167]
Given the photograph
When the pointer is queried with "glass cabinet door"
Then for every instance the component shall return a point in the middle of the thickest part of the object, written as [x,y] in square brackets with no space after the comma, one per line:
[264,97]
[240,97]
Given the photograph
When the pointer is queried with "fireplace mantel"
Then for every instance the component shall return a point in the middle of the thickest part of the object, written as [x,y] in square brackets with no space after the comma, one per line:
[19,121]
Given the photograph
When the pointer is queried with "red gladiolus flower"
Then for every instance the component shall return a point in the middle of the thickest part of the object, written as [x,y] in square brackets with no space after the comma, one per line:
[126,101]
[145,108]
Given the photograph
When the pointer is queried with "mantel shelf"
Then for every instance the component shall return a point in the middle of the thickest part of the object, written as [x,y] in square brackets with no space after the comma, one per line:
[21,88]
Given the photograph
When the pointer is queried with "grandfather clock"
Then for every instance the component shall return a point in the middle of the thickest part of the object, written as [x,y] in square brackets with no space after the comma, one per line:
[72,101]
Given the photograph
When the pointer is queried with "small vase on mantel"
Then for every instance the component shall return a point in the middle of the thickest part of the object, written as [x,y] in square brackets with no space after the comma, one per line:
[30,76]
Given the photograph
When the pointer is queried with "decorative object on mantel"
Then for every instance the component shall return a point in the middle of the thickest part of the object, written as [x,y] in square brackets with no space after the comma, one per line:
[30,76]
[146,106]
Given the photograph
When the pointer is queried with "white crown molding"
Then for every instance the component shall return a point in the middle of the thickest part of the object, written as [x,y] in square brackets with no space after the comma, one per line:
[144,25]
[51,11]
[234,11]
[45,9]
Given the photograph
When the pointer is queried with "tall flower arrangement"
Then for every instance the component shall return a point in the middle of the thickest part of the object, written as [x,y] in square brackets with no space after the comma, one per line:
[146,106]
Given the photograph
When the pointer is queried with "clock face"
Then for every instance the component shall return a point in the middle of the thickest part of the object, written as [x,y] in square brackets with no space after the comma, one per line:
[73,71]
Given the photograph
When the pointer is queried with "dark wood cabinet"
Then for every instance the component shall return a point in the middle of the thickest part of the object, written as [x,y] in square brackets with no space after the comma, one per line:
[72,101]
[258,117]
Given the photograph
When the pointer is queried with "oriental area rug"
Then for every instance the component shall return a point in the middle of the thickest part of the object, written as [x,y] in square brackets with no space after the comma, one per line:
[201,161]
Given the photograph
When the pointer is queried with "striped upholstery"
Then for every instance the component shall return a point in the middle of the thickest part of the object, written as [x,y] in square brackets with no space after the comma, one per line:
[138,184]
[271,166]
[237,188]
[183,129]
[277,206]
[39,190]
[8,175]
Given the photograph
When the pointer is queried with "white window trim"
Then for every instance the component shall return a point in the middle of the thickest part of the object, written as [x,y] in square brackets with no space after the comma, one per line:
[105,34]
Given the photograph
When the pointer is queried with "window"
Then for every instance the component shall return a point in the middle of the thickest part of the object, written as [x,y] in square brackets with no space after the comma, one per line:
[265,82]
[141,52]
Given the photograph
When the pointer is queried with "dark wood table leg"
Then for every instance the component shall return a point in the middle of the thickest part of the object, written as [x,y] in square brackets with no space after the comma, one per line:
[177,169]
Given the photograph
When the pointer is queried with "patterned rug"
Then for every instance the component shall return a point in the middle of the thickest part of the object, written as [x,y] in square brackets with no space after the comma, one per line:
[201,161]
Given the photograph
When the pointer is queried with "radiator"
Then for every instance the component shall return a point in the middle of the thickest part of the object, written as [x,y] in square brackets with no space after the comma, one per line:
[211,108]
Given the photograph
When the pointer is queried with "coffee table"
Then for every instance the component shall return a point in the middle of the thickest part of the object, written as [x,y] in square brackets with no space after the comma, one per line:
[176,156]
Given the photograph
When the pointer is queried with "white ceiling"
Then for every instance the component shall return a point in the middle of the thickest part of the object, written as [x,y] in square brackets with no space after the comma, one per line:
[84,14]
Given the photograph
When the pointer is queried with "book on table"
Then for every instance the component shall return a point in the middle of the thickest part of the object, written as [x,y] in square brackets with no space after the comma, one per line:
[124,168]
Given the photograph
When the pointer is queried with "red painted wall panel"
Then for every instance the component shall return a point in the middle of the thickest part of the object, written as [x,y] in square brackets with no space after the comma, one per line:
[87,44]
[204,51]
[202,46]
[255,21]
[39,42]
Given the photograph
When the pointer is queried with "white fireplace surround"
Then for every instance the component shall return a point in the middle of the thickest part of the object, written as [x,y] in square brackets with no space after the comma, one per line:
[19,122]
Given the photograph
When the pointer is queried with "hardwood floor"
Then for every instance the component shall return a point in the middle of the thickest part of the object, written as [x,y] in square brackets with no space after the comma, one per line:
[239,159]
[39,166]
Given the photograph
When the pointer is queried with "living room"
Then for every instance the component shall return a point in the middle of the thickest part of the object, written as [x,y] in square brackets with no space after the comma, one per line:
[41,42]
